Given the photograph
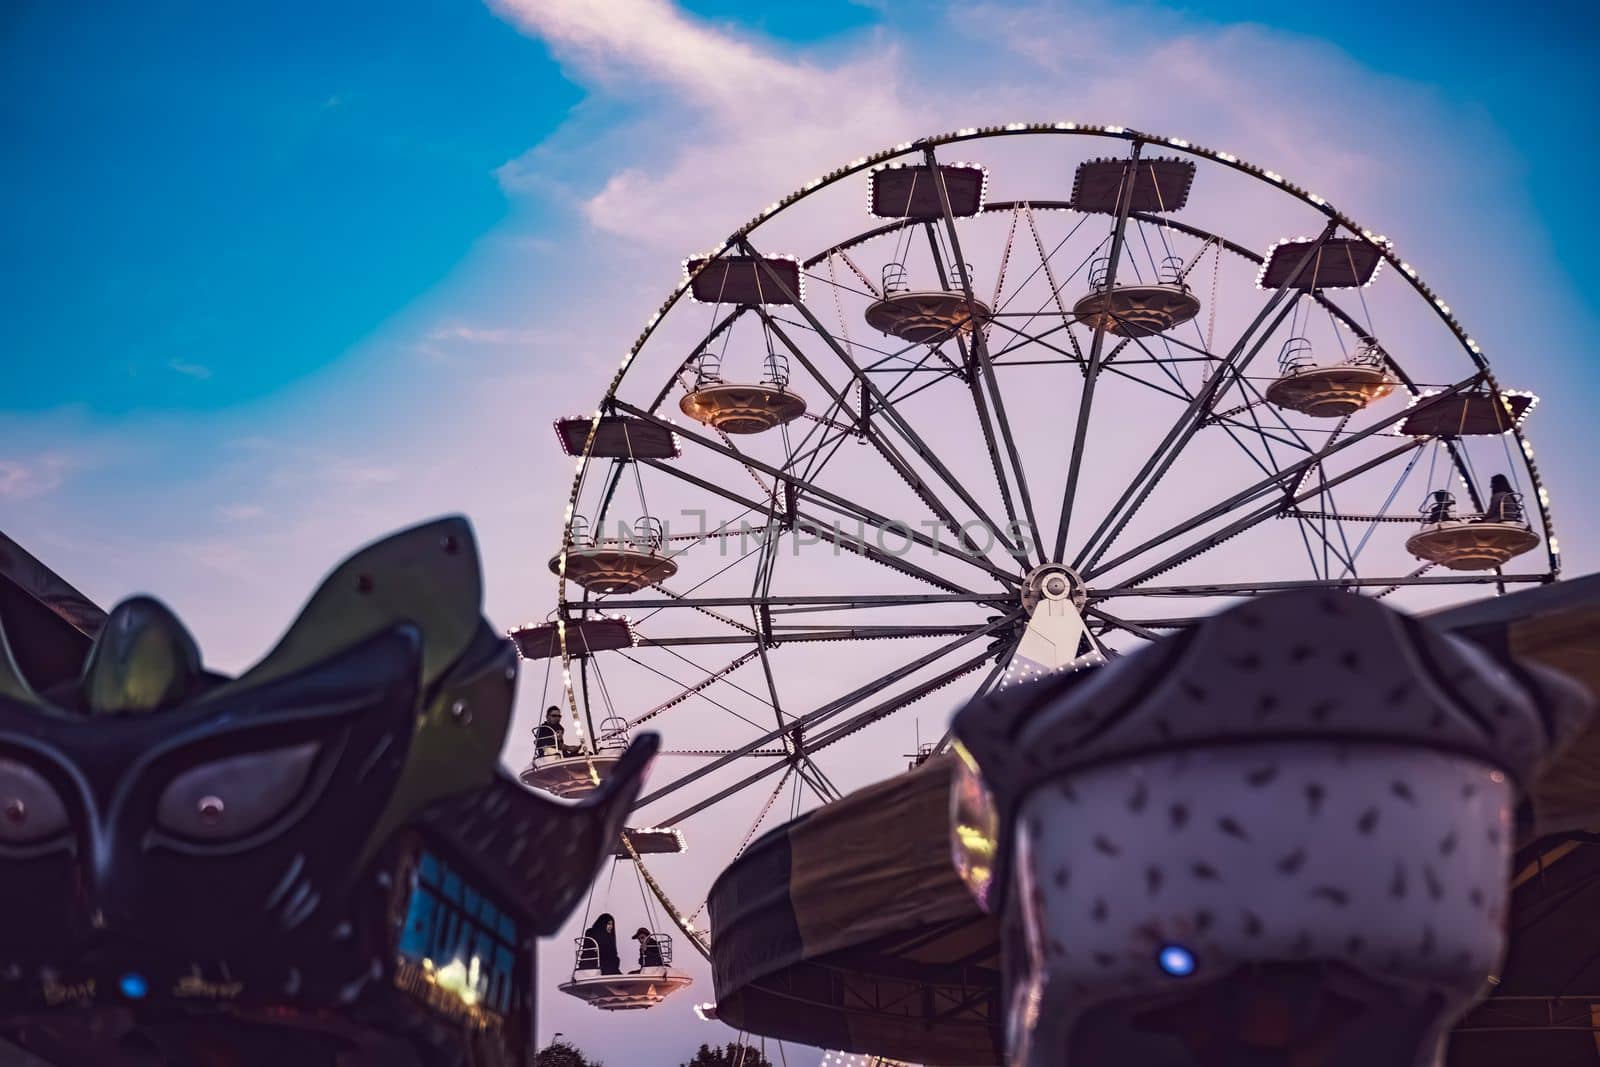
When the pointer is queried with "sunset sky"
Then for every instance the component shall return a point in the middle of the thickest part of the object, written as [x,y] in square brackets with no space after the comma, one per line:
[282,278]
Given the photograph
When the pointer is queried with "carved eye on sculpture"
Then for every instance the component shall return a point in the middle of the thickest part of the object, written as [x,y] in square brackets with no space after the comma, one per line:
[30,808]
[229,798]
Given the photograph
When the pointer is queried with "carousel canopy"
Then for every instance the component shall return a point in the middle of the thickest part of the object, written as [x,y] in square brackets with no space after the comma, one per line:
[849,928]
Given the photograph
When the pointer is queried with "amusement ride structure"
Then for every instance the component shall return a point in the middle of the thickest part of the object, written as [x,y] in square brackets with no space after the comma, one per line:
[979,408]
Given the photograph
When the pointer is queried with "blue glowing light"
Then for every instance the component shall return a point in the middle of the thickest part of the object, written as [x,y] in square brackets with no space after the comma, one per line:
[133,986]
[1176,961]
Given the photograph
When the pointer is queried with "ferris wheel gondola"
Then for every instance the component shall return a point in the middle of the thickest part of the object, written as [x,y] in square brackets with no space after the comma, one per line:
[600,978]
[570,773]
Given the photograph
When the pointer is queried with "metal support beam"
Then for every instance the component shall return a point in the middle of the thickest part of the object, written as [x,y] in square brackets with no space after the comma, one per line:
[1091,371]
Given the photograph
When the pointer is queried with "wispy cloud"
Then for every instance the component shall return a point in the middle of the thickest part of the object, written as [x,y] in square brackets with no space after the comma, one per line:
[486,335]
[198,371]
[359,475]
[23,478]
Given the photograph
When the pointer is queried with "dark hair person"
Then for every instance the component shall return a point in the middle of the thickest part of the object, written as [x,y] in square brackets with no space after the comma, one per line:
[604,935]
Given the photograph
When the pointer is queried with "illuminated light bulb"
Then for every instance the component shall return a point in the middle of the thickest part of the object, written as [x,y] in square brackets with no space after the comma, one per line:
[1176,961]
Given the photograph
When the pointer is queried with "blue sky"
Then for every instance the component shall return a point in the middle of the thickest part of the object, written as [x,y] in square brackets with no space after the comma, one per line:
[206,204]
[282,278]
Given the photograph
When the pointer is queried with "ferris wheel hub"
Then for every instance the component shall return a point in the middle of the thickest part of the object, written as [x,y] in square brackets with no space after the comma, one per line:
[1055,638]
[1054,582]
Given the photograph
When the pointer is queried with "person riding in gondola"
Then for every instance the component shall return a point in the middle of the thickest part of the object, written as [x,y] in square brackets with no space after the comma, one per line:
[1440,507]
[1504,503]
[603,936]
[550,736]
[649,949]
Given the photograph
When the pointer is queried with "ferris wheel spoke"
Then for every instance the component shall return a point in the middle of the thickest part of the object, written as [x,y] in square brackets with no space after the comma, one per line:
[1267,511]
[809,773]
[863,719]
[1231,589]
[845,506]
[890,413]
[1114,622]
[809,635]
[1091,372]
[976,384]
[1171,446]
[984,368]
[841,704]
[809,601]
[1282,481]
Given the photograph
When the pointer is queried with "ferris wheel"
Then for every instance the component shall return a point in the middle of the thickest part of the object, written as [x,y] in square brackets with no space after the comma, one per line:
[981,407]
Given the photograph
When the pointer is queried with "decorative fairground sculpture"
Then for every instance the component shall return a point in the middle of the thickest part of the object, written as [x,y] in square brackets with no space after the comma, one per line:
[1281,838]
[317,863]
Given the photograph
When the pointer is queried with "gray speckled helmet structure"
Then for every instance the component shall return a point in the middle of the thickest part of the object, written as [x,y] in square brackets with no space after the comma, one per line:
[1281,838]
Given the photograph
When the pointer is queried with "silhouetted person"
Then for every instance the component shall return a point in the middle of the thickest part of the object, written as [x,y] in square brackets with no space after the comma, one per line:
[1440,508]
[1503,503]
[604,935]
[649,949]
[550,736]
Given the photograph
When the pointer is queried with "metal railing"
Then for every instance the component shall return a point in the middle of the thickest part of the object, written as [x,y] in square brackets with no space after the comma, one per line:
[1295,356]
